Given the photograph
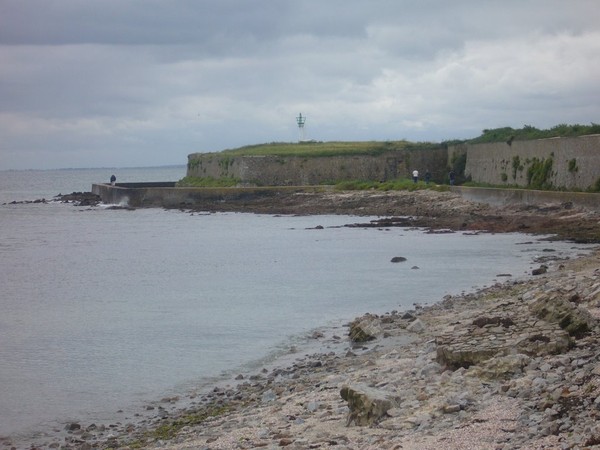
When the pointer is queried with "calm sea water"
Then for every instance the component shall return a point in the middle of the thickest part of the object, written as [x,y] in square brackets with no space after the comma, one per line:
[105,310]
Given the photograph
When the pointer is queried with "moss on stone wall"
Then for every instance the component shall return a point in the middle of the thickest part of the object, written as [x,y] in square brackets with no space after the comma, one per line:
[539,173]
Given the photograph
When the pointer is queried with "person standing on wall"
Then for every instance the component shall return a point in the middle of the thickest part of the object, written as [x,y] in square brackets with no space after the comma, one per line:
[415,175]
[113,180]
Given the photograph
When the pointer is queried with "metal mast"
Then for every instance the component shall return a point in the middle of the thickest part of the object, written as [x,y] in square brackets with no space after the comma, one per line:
[300,121]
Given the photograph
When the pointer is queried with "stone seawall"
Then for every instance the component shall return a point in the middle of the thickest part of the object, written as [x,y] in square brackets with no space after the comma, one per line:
[502,197]
[564,163]
[304,171]
[150,195]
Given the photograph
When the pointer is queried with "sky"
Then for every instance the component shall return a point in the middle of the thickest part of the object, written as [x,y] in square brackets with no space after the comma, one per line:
[130,83]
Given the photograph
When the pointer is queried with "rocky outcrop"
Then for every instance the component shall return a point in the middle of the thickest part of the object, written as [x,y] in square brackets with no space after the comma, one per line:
[506,329]
[556,309]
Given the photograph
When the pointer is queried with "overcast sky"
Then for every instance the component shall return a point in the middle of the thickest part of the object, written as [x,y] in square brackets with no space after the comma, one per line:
[120,83]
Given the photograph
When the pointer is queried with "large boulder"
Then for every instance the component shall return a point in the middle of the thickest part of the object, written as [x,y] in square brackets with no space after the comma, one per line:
[367,405]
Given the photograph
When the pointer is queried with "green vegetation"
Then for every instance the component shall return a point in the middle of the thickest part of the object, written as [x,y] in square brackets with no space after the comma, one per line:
[458,164]
[508,134]
[374,148]
[573,165]
[516,166]
[399,184]
[207,182]
[171,429]
[539,172]
[322,149]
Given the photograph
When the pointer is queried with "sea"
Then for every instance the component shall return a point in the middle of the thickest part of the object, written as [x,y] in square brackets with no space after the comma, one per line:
[104,311]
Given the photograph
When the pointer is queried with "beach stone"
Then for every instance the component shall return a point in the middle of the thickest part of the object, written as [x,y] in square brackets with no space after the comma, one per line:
[367,405]
[416,326]
[365,329]
[397,259]
[457,356]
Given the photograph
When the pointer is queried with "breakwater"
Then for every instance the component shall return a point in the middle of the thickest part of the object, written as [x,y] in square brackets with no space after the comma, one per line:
[166,195]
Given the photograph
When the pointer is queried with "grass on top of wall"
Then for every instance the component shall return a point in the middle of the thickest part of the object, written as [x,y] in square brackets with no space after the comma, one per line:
[207,182]
[323,149]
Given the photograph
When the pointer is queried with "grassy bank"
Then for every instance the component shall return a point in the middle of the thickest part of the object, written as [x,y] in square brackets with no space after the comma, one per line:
[322,149]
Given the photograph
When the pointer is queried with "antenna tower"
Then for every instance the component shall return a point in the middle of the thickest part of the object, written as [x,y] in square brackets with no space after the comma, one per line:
[300,121]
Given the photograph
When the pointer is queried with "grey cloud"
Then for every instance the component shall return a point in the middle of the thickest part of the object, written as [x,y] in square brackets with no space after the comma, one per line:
[137,77]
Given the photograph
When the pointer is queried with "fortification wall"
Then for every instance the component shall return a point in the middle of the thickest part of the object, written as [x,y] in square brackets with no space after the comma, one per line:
[564,163]
[303,171]
[559,163]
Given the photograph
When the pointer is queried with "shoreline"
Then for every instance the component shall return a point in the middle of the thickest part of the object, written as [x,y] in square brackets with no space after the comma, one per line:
[514,400]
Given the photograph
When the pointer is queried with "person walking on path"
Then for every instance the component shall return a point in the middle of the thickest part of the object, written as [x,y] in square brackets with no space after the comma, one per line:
[415,175]
[427,177]
[452,177]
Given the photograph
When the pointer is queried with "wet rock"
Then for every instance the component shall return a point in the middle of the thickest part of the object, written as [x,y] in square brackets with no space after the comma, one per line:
[73,426]
[397,259]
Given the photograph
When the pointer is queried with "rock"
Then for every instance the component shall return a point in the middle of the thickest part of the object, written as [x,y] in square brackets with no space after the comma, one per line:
[397,259]
[365,329]
[367,405]
[456,356]
[450,409]
[545,342]
[416,326]
[268,396]
[312,406]
[484,320]
[501,367]
[571,318]
[539,271]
